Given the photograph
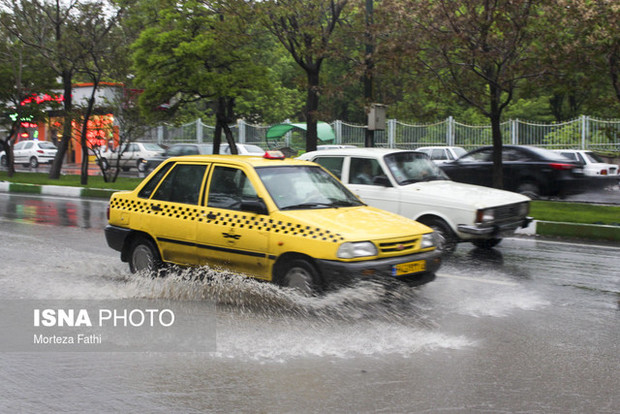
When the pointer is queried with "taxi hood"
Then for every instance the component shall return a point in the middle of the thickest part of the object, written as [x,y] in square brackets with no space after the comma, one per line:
[356,223]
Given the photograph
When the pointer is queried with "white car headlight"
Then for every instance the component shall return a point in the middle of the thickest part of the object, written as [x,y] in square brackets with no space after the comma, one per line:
[486,215]
[428,240]
[351,250]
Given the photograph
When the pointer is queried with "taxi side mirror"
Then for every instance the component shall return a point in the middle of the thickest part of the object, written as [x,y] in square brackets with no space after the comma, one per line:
[254,205]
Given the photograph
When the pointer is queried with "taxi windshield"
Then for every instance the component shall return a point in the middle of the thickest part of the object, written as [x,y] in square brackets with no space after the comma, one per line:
[413,167]
[305,187]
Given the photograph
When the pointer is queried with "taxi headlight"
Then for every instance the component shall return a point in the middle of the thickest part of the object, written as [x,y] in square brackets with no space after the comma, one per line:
[428,240]
[351,250]
[485,215]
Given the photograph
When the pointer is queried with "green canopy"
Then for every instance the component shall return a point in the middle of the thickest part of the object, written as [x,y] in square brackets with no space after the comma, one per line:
[324,130]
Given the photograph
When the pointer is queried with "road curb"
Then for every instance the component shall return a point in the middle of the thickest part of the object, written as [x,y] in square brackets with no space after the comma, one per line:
[571,230]
[55,190]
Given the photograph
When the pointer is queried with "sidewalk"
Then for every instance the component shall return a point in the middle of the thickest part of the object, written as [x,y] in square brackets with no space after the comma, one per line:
[536,228]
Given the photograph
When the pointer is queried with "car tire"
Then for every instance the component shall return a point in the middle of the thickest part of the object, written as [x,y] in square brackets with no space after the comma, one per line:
[486,243]
[139,165]
[3,161]
[144,256]
[301,275]
[445,238]
[104,164]
[529,189]
[34,162]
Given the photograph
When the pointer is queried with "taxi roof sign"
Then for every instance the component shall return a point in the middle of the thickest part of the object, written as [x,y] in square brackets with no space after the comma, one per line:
[274,155]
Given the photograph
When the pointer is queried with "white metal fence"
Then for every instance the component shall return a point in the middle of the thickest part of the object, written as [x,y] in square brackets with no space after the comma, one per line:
[582,133]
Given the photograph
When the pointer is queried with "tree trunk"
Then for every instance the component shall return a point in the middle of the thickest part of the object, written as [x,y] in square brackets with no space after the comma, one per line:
[312,105]
[495,115]
[83,142]
[67,127]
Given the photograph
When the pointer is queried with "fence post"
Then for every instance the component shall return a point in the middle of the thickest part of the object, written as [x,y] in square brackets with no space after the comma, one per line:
[584,131]
[160,135]
[514,137]
[199,130]
[450,131]
[391,133]
[338,131]
[241,128]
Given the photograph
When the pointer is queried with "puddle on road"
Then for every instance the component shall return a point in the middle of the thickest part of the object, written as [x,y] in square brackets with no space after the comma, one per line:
[262,322]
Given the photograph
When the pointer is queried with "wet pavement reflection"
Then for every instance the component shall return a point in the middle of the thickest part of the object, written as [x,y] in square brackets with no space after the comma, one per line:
[65,212]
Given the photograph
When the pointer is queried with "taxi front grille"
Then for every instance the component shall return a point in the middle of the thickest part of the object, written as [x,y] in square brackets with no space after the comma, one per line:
[401,246]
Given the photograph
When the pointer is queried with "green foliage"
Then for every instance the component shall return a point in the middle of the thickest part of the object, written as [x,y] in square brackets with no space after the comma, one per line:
[194,54]
[575,212]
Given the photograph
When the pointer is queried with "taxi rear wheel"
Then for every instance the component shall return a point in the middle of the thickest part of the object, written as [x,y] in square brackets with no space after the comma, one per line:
[300,275]
[144,256]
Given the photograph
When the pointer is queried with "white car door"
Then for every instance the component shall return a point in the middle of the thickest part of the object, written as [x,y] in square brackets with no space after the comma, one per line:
[368,179]
[21,150]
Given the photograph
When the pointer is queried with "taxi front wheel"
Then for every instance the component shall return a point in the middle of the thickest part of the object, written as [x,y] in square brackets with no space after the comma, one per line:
[302,276]
[144,256]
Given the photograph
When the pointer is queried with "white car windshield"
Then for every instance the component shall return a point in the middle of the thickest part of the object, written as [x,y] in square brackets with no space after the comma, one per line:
[305,187]
[413,167]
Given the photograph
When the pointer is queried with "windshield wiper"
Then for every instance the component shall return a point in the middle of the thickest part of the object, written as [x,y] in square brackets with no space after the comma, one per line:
[307,205]
[333,204]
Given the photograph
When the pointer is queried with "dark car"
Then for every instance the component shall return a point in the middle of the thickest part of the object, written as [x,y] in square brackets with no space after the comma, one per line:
[174,150]
[528,170]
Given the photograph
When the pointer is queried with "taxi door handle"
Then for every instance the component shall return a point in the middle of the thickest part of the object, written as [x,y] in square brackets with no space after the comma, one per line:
[211,216]
[155,207]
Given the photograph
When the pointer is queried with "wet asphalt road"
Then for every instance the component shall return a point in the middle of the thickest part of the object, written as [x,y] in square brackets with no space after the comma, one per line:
[532,326]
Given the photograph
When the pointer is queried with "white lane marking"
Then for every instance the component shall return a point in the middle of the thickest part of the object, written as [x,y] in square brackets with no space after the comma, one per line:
[473,279]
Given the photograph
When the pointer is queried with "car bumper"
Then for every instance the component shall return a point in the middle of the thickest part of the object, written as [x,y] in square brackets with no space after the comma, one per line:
[502,229]
[336,272]
[115,236]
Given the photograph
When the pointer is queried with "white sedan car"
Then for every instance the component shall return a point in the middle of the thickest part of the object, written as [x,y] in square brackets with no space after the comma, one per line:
[439,155]
[592,164]
[131,155]
[31,153]
[410,184]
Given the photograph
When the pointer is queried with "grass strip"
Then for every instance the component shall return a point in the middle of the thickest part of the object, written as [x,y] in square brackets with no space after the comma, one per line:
[575,212]
[94,182]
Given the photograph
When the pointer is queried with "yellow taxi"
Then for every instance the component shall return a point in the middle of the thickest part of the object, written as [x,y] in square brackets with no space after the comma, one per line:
[282,220]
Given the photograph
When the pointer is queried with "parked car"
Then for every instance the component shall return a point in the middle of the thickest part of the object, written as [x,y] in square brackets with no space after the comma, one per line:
[31,153]
[175,150]
[243,149]
[281,220]
[410,184]
[527,170]
[593,165]
[131,155]
[439,155]
[333,146]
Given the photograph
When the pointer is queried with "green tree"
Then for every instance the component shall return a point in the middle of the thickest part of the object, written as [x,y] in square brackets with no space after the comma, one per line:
[197,52]
[479,51]
[305,29]
[20,78]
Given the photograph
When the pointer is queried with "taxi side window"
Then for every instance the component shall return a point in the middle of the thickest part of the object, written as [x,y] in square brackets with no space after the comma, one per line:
[148,189]
[228,187]
[182,185]
[331,164]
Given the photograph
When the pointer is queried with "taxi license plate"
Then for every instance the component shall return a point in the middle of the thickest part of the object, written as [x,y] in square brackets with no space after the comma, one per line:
[409,268]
